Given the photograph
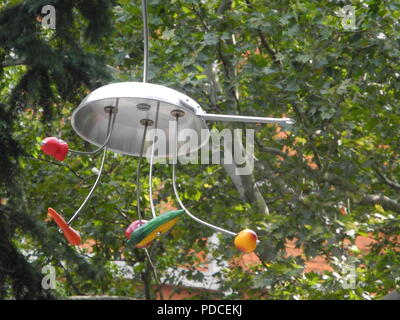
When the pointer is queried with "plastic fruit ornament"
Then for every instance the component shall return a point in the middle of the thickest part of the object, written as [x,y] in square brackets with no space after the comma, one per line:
[55,147]
[70,234]
[246,241]
[145,234]
[62,151]
[50,145]
[132,227]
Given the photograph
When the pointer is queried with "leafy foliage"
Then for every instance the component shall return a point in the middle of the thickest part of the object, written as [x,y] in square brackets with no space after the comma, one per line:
[327,181]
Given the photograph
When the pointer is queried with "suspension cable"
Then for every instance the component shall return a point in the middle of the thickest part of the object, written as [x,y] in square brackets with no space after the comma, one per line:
[145,77]
[177,195]
[153,211]
[145,41]
[109,132]
[113,116]
[138,172]
[152,266]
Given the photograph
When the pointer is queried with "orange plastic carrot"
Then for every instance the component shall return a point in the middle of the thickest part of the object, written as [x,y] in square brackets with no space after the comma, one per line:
[70,234]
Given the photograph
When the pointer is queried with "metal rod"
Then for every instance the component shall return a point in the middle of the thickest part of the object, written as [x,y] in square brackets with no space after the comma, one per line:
[145,41]
[111,121]
[152,265]
[233,118]
[177,195]
[92,190]
[109,132]
[138,173]
[153,211]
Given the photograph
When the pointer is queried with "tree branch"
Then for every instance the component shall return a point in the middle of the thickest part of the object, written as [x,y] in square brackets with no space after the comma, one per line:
[369,199]
[200,17]
[267,47]
[277,182]
[338,181]
[386,202]
[60,164]
[13,62]
[310,137]
[270,149]
[264,42]
[385,179]
[123,214]
[225,5]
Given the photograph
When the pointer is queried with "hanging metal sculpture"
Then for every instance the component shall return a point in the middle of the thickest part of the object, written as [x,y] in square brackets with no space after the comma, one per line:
[117,117]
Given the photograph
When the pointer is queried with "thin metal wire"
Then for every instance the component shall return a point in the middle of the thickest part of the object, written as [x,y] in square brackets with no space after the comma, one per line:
[153,211]
[145,77]
[112,115]
[109,130]
[152,266]
[138,173]
[177,195]
[145,41]
[93,188]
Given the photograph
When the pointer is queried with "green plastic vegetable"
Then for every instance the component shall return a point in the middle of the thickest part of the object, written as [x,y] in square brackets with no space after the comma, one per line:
[149,231]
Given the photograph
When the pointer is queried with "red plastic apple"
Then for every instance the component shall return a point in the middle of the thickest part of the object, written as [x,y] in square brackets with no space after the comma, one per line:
[62,151]
[132,227]
[50,145]
[55,147]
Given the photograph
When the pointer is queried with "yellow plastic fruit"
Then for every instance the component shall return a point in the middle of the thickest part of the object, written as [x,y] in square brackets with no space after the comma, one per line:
[246,240]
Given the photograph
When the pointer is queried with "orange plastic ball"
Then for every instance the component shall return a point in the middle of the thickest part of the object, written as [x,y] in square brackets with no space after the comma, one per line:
[246,240]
